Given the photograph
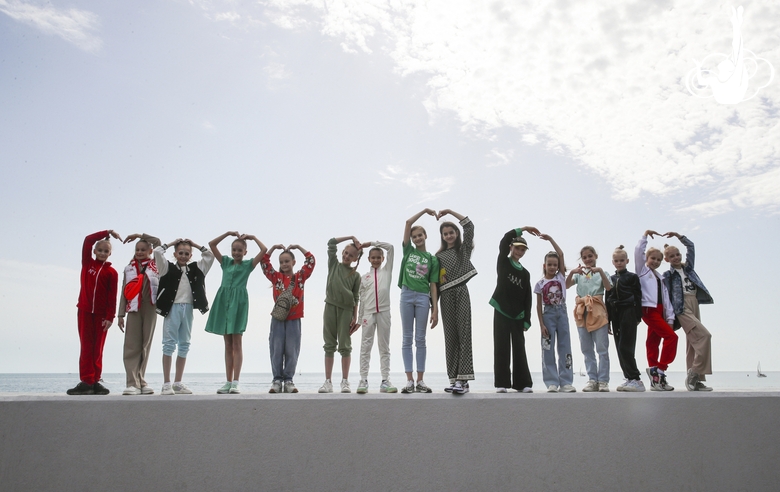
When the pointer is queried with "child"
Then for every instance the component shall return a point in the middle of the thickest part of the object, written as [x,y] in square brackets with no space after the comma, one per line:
[375,314]
[284,340]
[97,301]
[140,310]
[417,280]
[512,316]
[182,288]
[342,294]
[624,305]
[687,291]
[554,322]
[230,311]
[657,313]
[455,259]
[590,314]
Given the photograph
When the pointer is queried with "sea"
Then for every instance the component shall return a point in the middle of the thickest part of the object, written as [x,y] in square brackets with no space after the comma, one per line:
[207,383]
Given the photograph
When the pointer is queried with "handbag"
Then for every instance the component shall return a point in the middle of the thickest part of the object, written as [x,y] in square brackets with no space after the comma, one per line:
[284,303]
[133,287]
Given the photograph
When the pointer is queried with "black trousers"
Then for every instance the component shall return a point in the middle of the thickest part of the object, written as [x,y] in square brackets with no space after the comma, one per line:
[509,338]
[624,330]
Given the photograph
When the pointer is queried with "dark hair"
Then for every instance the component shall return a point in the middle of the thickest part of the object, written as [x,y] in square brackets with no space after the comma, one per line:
[376,248]
[289,252]
[553,254]
[458,240]
[185,243]
[590,248]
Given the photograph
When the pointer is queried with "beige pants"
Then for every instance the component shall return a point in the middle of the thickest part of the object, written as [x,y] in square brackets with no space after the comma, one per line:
[139,331]
[698,349]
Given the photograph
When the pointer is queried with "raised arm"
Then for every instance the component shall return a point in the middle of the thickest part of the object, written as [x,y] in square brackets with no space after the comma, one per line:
[143,237]
[414,218]
[558,250]
[448,211]
[214,242]
[690,251]
[89,243]
[262,247]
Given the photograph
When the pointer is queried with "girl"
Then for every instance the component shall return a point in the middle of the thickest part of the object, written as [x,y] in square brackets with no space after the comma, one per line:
[375,314]
[182,288]
[417,280]
[657,313]
[554,322]
[624,305]
[230,311]
[284,340]
[455,259]
[141,313]
[97,302]
[512,316]
[687,291]
[342,294]
[590,314]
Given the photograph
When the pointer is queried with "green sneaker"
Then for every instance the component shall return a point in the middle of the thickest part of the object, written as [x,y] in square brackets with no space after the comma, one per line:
[234,388]
[387,387]
[362,387]
[225,389]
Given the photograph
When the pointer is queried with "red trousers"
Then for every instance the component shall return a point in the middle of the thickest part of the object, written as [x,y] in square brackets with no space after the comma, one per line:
[658,329]
[92,338]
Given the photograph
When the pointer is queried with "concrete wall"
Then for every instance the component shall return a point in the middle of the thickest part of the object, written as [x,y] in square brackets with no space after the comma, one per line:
[656,442]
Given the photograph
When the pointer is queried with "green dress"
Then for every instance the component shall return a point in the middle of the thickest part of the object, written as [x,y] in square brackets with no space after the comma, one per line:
[230,310]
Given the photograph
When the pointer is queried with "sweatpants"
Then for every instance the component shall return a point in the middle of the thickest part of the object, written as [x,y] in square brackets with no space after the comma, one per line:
[378,323]
[509,338]
[658,329]
[92,338]
[335,330]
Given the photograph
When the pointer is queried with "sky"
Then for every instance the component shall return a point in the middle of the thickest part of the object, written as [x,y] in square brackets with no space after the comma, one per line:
[298,121]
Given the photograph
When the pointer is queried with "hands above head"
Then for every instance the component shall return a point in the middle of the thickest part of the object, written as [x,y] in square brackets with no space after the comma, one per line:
[672,234]
[114,234]
[131,238]
[534,232]
[651,233]
[192,243]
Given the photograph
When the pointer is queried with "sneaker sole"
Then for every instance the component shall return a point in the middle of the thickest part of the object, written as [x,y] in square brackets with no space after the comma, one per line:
[394,390]
[360,392]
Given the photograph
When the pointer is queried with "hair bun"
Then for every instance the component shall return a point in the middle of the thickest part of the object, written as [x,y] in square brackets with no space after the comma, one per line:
[621,247]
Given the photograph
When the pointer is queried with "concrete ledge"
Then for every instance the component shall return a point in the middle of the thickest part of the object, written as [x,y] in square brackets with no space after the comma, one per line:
[614,441]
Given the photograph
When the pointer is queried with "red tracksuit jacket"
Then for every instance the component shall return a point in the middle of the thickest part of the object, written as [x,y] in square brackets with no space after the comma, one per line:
[98,281]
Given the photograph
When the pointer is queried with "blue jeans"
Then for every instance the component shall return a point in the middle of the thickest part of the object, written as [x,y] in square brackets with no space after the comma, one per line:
[414,320]
[557,322]
[177,330]
[599,338]
[284,343]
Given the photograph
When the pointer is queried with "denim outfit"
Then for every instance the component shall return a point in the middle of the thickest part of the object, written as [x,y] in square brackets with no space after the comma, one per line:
[674,284]
[592,285]
[284,342]
[414,320]
[556,320]
[177,329]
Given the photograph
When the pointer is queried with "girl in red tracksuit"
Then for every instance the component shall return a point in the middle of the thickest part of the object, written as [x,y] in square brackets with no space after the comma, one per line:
[96,307]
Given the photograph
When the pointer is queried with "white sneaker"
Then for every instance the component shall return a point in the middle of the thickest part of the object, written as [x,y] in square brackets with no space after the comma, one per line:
[167,389]
[603,387]
[387,387]
[276,386]
[225,389]
[146,390]
[362,387]
[408,387]
[234,388]
[500,390]
[131,390]
[421,387]
[591,386]
[181,389]
[327,387]
[634,386]
[567,388]
[527,389]
[622,386]
[289,387]
[552,388]
[345,386]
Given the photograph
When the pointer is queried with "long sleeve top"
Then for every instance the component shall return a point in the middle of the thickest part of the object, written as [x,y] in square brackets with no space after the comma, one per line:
[281,281]
[649,280]
[674,282]
[99,280]
[343,284]
[457,265]
[375,285]
[513,295]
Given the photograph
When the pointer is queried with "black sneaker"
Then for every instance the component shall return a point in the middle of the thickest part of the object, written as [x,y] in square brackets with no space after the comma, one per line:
[655,379]
[663,384]
[81,389]
[99,389]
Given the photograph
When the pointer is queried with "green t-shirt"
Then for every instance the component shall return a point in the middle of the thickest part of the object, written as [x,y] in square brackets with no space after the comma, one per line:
[418,269]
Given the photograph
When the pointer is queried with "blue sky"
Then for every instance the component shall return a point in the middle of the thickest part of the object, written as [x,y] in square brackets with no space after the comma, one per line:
[298,121]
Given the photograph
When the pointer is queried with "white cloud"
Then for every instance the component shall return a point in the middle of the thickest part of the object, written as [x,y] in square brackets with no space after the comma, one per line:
[500,157]
[276,71]
[72,25]
[600,82]
[428,188]
[227,16]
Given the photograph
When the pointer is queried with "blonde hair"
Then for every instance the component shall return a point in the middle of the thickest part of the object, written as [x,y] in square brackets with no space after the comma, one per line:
[651,250]
[620,251]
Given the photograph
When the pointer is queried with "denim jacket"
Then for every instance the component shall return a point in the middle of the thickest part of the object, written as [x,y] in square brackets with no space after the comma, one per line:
[674,284]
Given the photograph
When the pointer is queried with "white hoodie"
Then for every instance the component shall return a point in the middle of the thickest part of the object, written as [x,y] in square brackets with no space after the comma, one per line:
[375,285]
[648,280]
